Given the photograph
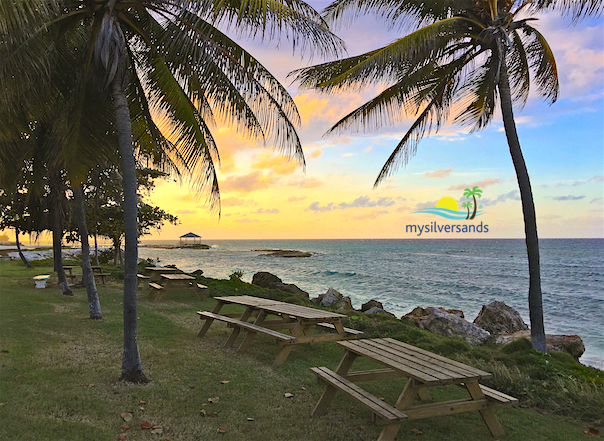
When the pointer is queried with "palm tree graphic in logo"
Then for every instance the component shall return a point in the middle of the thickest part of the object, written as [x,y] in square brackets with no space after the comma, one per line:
[474,192]
[448,207]
[467,205]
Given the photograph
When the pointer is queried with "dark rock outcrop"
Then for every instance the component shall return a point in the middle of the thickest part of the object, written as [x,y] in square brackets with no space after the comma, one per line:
[499,318]
[376,310]
[268,280]
[371,304]
[286,253]
[447,323]
[334,299]
[572,344]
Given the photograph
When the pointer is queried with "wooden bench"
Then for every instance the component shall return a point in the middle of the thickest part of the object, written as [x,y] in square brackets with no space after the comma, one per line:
[498,397]
[200,286]
[333,327]
[142,277]
[155,286]
[72,277]
[205,315]
[386,413]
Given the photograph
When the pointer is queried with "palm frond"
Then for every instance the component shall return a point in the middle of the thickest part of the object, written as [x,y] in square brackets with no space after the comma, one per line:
[541,61]
[577,9]
[294,19]
[518,70]
[389,63]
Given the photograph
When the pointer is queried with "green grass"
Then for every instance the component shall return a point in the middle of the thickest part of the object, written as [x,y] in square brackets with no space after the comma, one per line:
[59,375]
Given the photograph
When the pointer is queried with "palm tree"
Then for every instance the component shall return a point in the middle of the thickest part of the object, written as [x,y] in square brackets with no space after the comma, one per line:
[467,205]
[474,192]
[466,54]
[167,58]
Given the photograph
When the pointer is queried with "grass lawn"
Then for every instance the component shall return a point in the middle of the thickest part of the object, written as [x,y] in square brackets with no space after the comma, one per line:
[59,377]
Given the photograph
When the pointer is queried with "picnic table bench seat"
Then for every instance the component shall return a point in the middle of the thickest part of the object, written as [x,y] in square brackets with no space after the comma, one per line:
[72,277]
[246,325]
[200,286]
[387,414]
[156,286]
[333,327]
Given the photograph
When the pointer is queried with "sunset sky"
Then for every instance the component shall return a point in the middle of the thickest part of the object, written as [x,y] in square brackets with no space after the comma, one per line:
[266,196]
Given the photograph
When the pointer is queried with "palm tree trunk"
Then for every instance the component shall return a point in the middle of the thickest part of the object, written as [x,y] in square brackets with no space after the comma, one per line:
[132,368]
[23,259]
[57,234]
[474,212]
[87,275]
[528,210]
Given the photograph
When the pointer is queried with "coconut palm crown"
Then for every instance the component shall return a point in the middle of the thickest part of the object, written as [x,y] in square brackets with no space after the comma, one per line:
[462,55]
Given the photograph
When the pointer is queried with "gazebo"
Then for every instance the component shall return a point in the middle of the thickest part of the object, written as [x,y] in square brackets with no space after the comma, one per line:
[190,239]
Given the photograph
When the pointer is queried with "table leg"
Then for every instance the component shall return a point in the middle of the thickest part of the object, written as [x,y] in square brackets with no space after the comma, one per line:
[488,416]
[209,321]
[296,332]
[330,392]
[161,292]
[236,330]
[250,335]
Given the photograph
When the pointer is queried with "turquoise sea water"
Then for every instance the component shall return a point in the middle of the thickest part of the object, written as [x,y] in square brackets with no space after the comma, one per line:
[404,273]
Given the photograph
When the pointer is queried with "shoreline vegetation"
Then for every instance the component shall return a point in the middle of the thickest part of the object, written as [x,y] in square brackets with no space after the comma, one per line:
[60,373]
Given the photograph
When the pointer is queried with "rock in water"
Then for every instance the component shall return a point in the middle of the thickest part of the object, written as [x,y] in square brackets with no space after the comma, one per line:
[499,318]
[572,344]
[440,321]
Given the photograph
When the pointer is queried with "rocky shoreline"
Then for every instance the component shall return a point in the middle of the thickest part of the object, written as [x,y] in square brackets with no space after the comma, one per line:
[496,322]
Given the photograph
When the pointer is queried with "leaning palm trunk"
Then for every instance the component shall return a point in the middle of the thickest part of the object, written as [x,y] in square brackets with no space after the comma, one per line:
[132,368]
[23,259]
[87,275]
[528,210]
[57,236]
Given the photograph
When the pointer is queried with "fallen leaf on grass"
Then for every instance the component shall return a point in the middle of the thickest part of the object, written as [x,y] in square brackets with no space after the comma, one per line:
[214,414]
[126,416]
[125,426]
[157,431]
[288,395]
[593,432]
[416,431]
[91,385]
[122,437]
[213,400]
[225,381]
[157,426]
[18,376]
[142,402]
[2,404]
[250,419]
[202,412]
[146,425]
[142,408]
[221,430]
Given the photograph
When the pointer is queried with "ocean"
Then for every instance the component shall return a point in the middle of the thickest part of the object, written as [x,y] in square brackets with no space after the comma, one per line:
[404,273]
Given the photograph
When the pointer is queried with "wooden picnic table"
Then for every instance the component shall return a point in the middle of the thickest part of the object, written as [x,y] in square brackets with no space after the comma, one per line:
[155,272]
[175,282]
[96,269]
[299,321]
[423,370]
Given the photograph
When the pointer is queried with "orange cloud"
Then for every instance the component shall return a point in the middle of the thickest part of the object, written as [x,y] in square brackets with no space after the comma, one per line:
[232,202]
[371,215]
[484,183]
[281,165]
[247,183]
[315,153]
[443,173]
[295,198]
